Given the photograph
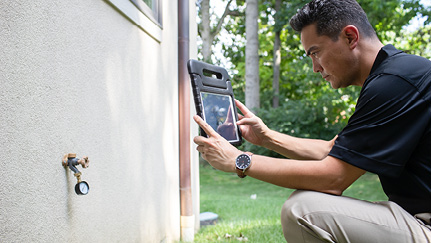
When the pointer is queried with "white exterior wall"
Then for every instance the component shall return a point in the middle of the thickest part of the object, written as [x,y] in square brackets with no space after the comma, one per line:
[79,77]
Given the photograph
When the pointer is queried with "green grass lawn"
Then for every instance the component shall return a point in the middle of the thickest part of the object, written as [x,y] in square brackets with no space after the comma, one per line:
[242,218]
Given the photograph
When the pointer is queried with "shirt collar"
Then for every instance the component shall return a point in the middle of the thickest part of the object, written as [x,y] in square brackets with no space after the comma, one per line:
[385,52]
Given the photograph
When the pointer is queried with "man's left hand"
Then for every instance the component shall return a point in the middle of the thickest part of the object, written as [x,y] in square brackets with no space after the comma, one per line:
[215,149]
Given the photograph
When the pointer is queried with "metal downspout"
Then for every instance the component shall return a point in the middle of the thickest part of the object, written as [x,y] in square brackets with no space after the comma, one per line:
[187,217]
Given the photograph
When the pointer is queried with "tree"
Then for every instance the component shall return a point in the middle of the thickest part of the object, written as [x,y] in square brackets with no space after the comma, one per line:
[208,32]
[252,99]
[416,42]
[277,59]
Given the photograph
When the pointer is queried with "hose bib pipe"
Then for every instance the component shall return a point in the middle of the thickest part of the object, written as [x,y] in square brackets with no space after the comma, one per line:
[70,160]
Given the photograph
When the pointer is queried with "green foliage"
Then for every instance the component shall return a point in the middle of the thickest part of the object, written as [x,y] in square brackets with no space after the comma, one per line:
[416,42]
[390,16]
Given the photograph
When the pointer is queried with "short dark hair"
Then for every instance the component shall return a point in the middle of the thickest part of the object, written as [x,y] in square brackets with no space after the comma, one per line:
[331,16]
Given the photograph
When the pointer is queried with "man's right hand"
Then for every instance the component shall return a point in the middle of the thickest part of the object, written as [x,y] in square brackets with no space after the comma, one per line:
[252,127]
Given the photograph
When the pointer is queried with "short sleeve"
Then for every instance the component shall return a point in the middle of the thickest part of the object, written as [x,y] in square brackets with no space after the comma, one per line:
[387,125]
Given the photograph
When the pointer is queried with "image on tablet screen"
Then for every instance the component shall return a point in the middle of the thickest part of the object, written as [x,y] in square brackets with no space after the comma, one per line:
[218,113]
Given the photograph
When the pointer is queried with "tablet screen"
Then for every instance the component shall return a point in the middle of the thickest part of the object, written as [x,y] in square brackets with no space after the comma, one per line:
[218,113]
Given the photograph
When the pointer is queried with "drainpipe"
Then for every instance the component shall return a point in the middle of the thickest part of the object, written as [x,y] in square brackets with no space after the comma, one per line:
[187,217]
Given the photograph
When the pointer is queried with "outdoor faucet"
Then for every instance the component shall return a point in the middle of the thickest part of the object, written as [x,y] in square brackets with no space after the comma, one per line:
[70,160]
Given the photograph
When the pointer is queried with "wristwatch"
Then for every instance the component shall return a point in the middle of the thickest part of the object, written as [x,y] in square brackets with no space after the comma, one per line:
[242,163]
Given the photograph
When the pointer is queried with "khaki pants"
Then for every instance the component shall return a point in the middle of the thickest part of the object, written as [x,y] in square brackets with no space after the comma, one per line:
[309,216]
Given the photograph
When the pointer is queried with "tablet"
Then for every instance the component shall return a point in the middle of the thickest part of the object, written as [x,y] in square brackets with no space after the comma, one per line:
[214,99]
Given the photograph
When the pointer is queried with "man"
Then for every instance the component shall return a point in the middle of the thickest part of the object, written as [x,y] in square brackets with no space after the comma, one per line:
[389,134]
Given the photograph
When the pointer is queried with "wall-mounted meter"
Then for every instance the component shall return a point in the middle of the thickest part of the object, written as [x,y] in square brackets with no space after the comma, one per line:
[70,160]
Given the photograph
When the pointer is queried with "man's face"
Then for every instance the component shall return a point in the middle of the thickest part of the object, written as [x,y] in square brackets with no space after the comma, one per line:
[334,60]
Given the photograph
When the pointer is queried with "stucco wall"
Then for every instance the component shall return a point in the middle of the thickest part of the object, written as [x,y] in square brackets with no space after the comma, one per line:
[78,77]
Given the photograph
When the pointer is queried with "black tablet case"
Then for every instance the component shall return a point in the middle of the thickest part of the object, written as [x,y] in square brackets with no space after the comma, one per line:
[212,79]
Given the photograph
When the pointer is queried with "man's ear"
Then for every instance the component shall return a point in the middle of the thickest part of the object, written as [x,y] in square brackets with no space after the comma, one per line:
[351,35]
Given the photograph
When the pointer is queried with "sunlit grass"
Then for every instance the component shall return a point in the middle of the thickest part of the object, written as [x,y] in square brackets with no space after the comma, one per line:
[242,218]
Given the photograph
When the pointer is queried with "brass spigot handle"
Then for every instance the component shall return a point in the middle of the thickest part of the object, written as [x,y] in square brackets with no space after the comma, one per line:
[84,162]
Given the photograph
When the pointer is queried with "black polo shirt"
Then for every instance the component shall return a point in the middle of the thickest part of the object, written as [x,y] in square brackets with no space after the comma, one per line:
[390,131]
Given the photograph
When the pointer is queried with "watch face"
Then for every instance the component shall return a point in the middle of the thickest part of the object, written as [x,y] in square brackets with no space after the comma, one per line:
[243,161]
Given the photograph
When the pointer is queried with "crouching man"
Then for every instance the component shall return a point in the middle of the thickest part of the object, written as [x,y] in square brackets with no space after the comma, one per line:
[389,134]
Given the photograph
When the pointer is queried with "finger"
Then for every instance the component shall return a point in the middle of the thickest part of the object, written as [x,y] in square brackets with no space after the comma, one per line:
[246,121]
[200,149]
[240,116]
[205,126]
[229,116]
[199,140]
[243,108]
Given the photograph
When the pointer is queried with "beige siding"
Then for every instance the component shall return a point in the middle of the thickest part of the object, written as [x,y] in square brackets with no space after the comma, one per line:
[77,76]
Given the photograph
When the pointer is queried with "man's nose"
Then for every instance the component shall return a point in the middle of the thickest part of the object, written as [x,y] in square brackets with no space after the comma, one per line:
[317,68]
